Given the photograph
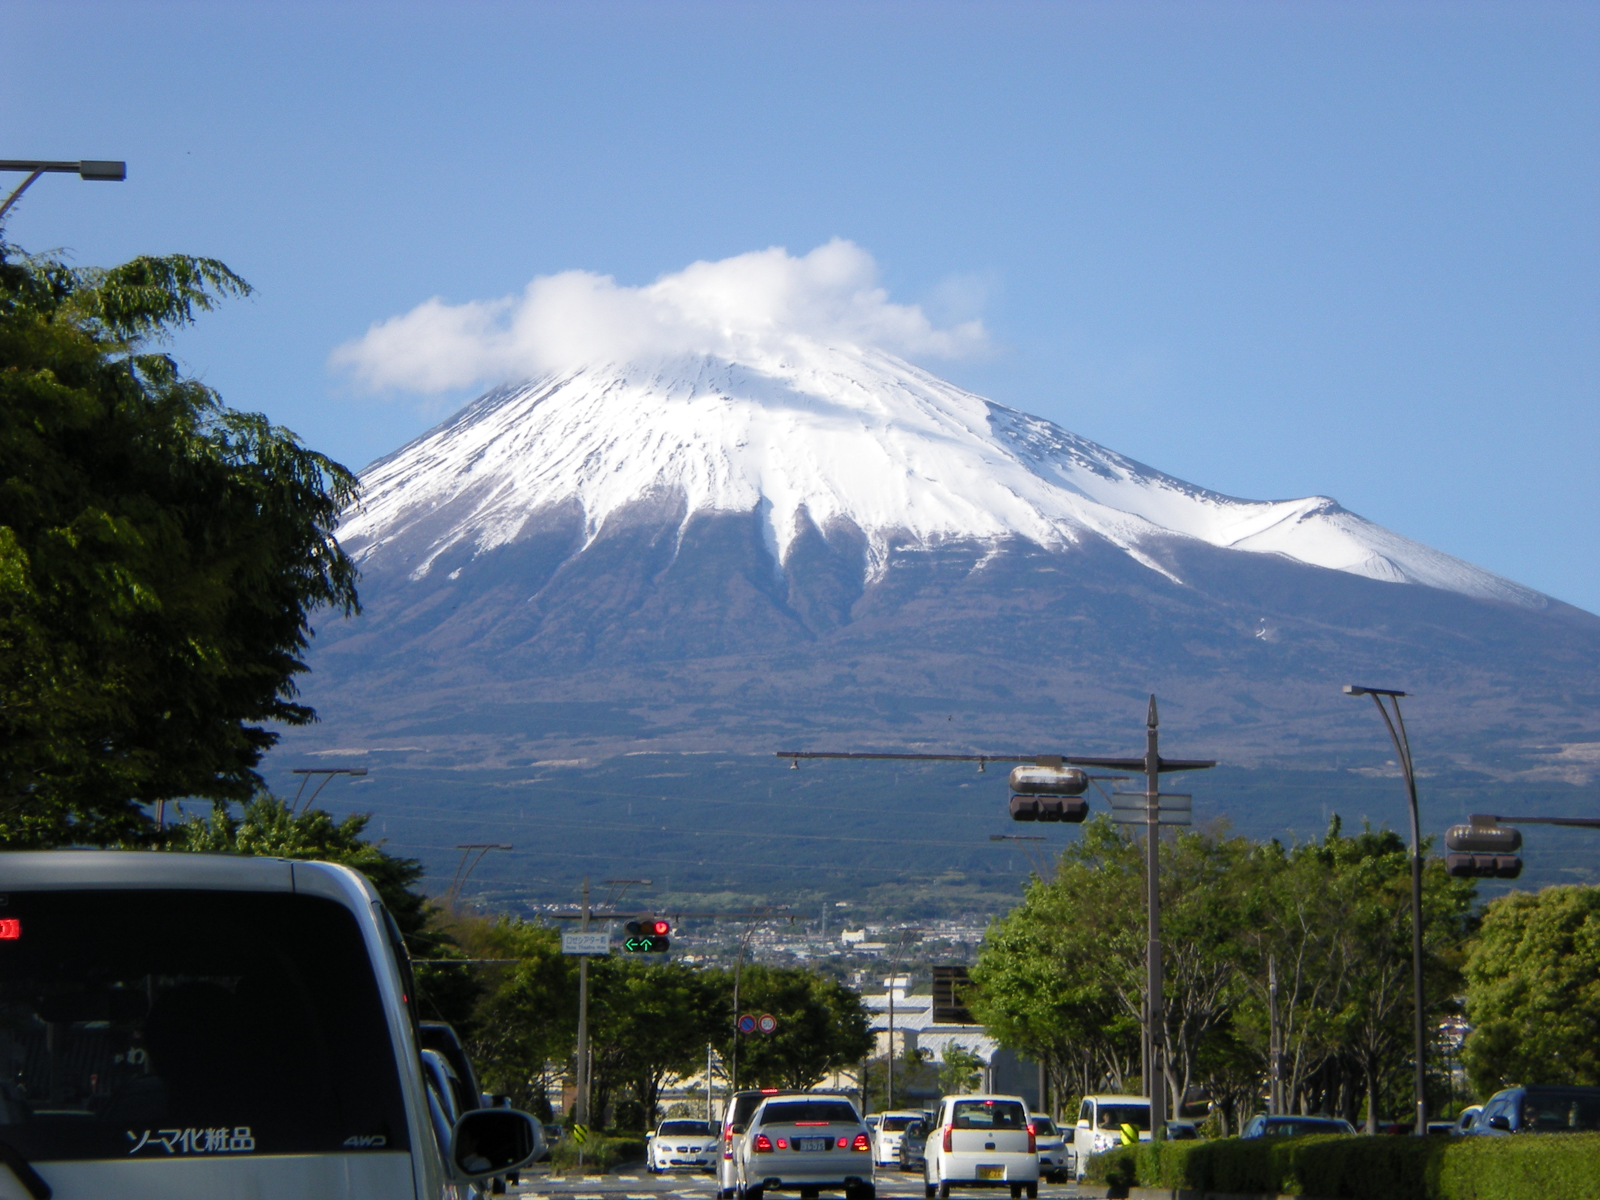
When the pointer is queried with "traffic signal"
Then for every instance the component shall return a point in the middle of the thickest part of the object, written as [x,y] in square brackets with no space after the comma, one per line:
[648,935]
[1048,793]
[1483,849]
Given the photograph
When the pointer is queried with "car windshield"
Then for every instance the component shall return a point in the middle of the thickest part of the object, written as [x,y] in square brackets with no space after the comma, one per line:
[897,1124]
[809,1112]
[1043,1125]
[1115,1116]
[988,1114]
[684,1129]
[1560,1112]
[162,1024]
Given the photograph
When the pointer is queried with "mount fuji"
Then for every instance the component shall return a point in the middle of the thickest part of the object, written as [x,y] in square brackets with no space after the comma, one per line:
[822,546]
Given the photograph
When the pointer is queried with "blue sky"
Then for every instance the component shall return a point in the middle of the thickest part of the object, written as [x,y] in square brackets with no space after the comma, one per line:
[1274,249]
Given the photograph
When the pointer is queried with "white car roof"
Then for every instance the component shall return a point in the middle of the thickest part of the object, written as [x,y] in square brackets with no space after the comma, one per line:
[1112,1098]
[81,870]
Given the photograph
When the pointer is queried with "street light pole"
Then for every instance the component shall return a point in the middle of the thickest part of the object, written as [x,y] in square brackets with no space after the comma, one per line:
[1402,749]
[894,967]
[100,169]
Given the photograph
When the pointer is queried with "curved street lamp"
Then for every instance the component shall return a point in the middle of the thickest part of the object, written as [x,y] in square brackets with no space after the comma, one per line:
[89,168]
[1402,749]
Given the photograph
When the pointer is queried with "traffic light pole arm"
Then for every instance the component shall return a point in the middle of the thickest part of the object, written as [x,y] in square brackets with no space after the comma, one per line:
[1122,764]
[1580,822]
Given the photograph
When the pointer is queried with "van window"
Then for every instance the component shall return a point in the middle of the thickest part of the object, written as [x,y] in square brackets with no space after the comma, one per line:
[988,1114]
[1086,1113]
[165,1024]
[1115,1116]
[1560,1112]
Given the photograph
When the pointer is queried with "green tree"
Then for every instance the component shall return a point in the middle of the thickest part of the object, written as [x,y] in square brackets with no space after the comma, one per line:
[960,1070]
[1533,990]
[822,1026]
[161,556]
[649,1020]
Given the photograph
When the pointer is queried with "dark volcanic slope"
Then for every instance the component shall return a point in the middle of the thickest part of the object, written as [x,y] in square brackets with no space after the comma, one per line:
[544,648]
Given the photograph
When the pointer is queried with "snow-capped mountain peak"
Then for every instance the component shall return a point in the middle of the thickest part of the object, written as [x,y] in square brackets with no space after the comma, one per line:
[832,438]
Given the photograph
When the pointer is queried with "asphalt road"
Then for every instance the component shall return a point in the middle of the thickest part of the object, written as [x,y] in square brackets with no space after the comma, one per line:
[641,1185]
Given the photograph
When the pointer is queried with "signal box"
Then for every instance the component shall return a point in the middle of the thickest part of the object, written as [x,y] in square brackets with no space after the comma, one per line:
[1483,849]
[647,936]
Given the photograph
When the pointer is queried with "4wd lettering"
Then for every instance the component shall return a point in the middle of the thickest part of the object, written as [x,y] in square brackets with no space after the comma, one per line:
[358,1141]
[237,1140]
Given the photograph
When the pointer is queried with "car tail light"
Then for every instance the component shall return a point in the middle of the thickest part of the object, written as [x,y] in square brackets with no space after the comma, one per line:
[844,1143]
[727,1142]
[10,929]
[861,1142]
[763,1144]
[783,1143]
[947,1146]
[1033,1139]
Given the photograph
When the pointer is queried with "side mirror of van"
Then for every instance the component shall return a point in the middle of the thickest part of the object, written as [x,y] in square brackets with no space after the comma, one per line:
[1500,1122]
[492,1141]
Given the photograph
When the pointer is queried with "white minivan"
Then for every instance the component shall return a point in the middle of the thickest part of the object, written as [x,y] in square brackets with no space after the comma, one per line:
[181,1025]
[1100,1122]
[981,1142]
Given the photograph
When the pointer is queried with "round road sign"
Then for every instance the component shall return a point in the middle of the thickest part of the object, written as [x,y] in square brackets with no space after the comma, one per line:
[747,1024]
[767,1023]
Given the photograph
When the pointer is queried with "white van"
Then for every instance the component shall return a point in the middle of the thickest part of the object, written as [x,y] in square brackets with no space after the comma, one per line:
[192,1025]
[1100,1122]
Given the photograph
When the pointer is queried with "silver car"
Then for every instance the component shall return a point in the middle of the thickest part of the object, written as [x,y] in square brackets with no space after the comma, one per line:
[806,1144]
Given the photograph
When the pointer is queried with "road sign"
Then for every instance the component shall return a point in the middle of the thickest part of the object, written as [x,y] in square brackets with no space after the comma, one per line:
[586,943]
[767,1023]
[747,1023]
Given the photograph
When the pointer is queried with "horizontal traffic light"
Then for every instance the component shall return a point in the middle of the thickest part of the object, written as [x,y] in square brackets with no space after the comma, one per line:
[1483,849]
[1049,808]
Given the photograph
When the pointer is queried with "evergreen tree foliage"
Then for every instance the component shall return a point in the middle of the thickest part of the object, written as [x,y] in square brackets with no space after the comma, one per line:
[1533,990]
[161,556]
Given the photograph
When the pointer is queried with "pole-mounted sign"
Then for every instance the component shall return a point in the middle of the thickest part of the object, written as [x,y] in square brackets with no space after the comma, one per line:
[586,943]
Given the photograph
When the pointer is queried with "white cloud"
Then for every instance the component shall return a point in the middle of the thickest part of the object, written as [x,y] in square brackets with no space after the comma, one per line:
[748,306]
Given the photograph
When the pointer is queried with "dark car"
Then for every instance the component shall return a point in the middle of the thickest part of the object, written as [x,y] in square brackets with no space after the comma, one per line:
[911,1153]
[1539,1108]
[1263,1126]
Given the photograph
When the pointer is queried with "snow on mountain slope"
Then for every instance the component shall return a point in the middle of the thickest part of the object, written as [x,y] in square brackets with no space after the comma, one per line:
[834,436]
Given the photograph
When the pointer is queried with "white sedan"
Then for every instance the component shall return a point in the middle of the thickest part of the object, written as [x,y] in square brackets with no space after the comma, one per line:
[682,1146]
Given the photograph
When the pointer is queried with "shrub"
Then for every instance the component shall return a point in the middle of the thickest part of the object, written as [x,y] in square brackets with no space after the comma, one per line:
[1550,1167]
[600,1154]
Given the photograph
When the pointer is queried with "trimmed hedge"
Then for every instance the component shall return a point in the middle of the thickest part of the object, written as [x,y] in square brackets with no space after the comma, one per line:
[600,1154]
[1533,1167]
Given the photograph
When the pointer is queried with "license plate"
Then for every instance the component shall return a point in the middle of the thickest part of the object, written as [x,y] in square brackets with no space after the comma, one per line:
[811,1143]
[991,1172]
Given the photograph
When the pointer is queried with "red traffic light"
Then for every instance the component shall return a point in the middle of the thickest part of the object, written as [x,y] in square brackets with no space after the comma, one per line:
[656,928]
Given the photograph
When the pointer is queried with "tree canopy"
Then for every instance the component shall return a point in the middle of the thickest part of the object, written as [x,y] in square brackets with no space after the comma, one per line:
[1533,990]
[161,555]
[1061,976]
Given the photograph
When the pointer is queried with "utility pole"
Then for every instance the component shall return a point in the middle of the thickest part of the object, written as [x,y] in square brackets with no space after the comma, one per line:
[1274,1041]
[581,1101]
[1156,1081]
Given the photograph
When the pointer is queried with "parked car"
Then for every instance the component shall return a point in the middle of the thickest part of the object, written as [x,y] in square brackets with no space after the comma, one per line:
[806,1144]
[1052,1146]
[981,1141]
[1265,1126]
[1100,1122]
[735,1117]
[912,1156]
[1539,1108]
[204,1025]
[1468,1115]
[681,1146]
[887,1130]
